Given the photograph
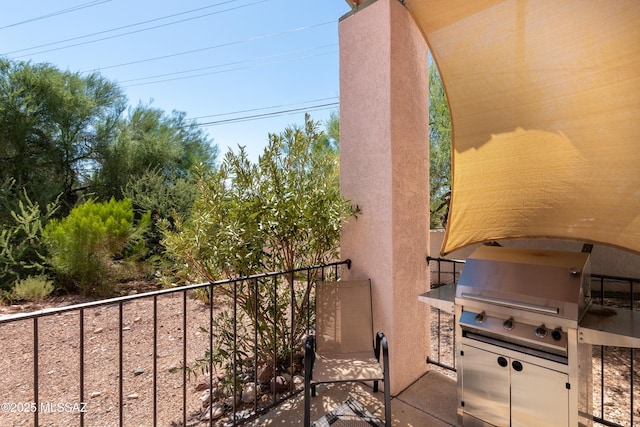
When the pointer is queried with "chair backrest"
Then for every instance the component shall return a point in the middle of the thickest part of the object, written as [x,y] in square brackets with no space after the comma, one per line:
[344,320]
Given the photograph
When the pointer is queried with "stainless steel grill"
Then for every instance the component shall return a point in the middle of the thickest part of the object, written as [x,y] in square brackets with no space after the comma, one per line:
[525,326]
[519,360]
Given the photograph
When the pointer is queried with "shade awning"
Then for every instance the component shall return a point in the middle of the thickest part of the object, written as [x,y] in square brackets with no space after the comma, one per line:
[545,110]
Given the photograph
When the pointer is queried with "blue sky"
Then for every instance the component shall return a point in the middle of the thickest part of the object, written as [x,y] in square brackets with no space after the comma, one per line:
[204,57]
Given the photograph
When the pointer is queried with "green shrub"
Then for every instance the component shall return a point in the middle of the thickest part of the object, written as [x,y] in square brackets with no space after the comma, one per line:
[33,288]
[21,247]
[83,245]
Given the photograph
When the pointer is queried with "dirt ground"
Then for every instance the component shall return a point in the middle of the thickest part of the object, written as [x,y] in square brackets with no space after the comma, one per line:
[60,402]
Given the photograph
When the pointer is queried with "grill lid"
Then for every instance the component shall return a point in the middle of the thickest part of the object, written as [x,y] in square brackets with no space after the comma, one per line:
[542,281]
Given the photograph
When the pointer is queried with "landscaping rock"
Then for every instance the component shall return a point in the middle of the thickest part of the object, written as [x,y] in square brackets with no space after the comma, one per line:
[205,398]
[265,374]
[278,384]
[213,412]
[249,391]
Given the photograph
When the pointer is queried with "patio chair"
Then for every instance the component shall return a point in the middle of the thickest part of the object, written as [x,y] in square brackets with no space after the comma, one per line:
[343,348]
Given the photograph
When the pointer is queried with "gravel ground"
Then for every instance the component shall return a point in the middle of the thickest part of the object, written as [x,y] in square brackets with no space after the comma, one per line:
[59,360]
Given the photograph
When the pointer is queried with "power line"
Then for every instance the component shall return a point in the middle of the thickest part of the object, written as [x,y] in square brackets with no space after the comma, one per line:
[120,28]
[319,107]
[191,70]
[129,32]
[229,70]
[57,13]
[233,43]
[264,108]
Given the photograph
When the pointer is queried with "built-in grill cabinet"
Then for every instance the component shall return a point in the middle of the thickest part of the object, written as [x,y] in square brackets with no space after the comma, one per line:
[519,359]
[525,326]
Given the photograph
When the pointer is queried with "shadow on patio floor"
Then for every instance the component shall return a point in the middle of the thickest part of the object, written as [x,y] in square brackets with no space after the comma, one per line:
[429,402]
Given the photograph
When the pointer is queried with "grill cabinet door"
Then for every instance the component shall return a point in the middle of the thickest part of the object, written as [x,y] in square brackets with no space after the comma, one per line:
[485,377]
[539,396]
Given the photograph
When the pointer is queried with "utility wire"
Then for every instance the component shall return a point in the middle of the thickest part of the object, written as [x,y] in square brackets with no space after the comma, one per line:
[263,108]
[229,70]
[130,32]
[120,28]
[233,43]
[192,70]
[269,115]
[57,13]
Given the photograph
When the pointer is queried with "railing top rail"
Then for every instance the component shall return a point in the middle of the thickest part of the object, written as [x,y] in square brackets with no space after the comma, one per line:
[439,259]
[110,301]
[615,278]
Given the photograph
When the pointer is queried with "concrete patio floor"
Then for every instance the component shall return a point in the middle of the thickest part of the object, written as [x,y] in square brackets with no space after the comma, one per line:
[429,402]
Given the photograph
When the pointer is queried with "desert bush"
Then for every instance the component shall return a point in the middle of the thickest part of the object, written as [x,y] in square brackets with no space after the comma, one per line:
[83,245]
[22,248]
[33,288]
[281,213]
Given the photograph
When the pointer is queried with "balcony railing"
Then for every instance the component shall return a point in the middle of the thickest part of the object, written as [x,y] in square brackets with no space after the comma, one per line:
[138,359]
[616,385]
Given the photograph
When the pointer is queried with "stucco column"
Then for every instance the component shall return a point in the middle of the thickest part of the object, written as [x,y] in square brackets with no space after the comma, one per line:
[384,167]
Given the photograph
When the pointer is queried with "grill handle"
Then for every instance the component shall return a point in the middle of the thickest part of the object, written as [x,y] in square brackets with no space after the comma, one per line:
[512,304]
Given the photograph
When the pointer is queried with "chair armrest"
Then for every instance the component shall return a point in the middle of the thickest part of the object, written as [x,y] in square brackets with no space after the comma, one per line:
[309,356]
[380,339]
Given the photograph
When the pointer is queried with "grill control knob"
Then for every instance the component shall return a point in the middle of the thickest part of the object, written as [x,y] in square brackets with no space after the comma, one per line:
[556,334]
[541,332]
[480,318]
[508,324]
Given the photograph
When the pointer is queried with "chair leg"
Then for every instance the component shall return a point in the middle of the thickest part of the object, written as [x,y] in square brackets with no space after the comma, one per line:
[313,390]
[387,404]
[375,386]
[309,355]
[307,404]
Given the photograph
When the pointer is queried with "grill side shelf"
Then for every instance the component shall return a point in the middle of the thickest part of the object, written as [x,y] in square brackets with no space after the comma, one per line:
[610,327]
[442,298]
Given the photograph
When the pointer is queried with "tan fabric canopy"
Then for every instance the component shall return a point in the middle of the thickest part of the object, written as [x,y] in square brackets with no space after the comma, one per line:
[545,107]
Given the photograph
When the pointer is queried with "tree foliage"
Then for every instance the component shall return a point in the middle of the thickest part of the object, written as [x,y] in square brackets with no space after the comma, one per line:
[283,212]
[52,125]
[65,138]
[439,150]
[149,140]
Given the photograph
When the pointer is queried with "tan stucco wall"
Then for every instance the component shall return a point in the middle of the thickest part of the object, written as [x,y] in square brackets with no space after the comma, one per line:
[384,170]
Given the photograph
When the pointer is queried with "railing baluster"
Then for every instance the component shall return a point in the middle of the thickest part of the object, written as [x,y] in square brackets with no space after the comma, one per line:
[210,355]
[184,358]
[275,336]
[36,397]
[155,360]
[120,364]
[308,301]
[255,343]
[293,325]
[631,380]
[81,327]
[235,349]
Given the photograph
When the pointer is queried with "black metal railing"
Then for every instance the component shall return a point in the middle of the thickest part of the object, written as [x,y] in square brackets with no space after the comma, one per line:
[89,363]
[443,271]
[616,385]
